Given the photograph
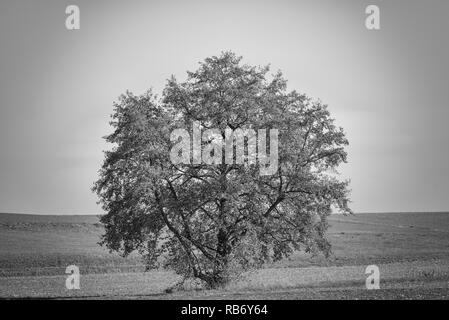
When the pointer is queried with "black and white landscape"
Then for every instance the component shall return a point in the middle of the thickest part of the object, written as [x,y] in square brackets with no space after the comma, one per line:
[224,149]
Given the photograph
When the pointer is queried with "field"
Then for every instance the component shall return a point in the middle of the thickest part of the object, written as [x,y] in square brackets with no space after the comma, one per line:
[410,249]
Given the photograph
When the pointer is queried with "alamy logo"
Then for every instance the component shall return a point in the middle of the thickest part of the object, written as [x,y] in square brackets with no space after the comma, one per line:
[372,21]
[72,21]
[207,147]
[73,280]
[373,279]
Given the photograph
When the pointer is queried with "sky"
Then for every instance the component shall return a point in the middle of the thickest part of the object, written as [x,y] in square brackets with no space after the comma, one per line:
[387,88]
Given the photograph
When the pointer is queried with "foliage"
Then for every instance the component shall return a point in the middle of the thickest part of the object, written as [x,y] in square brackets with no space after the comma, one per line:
[201,219]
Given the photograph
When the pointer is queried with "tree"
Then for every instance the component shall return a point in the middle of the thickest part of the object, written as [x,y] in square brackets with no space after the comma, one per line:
[203,220]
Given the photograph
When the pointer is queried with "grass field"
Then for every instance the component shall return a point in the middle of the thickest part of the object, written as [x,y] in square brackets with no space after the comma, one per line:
[410,249]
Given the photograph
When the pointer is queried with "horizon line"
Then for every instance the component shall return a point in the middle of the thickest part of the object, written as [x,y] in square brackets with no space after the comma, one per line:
[99,214]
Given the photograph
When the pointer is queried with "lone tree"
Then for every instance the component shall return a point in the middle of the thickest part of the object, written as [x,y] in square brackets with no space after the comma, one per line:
[206,220]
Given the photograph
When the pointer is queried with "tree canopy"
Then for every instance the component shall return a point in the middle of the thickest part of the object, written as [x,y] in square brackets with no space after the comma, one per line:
[202,220]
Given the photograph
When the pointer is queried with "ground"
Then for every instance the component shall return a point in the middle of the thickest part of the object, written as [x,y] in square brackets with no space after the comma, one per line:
[410,249]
